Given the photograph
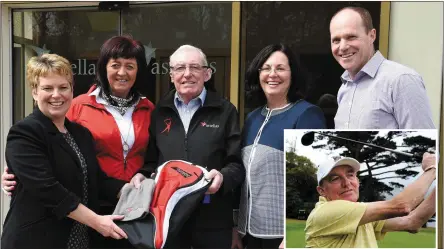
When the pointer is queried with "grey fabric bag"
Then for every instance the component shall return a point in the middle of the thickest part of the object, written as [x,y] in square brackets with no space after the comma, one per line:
[135,203]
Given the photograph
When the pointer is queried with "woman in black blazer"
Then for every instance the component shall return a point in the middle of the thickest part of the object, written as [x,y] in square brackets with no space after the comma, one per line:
[58,177]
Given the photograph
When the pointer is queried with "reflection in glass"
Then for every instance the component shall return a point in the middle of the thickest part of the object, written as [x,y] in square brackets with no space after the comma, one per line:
[74,34]
[163,27]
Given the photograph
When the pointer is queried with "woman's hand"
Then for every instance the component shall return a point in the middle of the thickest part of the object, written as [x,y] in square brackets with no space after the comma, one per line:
[8,183]
[236,240]
[281,246]
[104,224]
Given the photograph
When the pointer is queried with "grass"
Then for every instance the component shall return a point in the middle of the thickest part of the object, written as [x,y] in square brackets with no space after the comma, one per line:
[424,239]
[295,233]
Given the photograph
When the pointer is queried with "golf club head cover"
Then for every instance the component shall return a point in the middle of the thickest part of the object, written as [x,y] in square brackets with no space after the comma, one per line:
[179,189]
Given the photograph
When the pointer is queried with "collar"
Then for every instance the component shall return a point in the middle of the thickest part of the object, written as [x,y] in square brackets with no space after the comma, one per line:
[179,101]
[99,99]
[322,199]
[212,99]
[92,98]
[370,68]
[279,110]
[47,122]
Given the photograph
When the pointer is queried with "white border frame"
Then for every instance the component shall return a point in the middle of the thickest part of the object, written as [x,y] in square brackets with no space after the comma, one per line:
[438,213]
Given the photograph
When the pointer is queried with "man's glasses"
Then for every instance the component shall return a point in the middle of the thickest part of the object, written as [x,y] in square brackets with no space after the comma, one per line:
[278,70]
[194,68]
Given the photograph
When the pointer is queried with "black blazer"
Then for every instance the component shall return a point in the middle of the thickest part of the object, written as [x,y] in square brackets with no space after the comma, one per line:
[49,182]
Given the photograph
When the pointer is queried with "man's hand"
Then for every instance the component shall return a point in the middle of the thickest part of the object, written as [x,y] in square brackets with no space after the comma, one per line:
[428,161]
[137,179]
[218,179]
[120,191]
[8,183]
[236,241]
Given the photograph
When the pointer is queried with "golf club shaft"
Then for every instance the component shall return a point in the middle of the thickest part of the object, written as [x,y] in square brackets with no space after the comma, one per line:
[371,145]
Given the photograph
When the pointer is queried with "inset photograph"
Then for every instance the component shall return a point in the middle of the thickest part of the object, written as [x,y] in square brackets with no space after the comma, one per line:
[361,189]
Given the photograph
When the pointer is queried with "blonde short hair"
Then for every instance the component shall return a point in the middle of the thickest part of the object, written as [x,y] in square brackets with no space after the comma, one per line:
[43,65]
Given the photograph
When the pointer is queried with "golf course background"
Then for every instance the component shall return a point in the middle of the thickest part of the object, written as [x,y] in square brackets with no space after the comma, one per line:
[425,238]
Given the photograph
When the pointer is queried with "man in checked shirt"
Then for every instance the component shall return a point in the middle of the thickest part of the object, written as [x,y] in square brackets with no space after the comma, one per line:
[376,93]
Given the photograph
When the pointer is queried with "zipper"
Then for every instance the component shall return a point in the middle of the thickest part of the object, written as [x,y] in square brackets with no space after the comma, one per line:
[191,127]
[258,135]
[250,161]
[134,129]
[186,146]
[193,124]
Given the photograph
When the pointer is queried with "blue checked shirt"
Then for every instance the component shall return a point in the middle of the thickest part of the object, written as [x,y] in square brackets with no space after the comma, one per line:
[186,111]
[383,95]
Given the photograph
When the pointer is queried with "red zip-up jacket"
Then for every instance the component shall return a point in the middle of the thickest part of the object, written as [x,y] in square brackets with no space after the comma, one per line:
[86,111]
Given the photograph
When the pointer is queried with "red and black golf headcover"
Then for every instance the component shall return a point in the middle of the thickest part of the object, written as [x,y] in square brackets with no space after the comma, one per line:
[179,188]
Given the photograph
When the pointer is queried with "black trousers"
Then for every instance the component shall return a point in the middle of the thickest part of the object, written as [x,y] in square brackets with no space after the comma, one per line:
[251,242]
[203,239]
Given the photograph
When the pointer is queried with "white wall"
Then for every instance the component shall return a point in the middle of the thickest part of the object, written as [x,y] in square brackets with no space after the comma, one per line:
[416,40]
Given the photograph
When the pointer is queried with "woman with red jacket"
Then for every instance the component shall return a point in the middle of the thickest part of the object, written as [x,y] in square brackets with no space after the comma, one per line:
[116,114]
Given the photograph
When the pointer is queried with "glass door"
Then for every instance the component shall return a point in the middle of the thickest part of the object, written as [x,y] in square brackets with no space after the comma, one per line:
[78,33]
[163,27]
[75,34]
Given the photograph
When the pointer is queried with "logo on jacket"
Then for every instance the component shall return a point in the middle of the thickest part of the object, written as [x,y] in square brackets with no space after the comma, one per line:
[182,172]
[167,122]
[204,124]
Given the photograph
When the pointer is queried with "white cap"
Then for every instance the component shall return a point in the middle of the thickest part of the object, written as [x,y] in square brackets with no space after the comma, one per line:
[325,167]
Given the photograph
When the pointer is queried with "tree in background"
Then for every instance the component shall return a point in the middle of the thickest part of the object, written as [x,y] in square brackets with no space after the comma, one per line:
[301,194]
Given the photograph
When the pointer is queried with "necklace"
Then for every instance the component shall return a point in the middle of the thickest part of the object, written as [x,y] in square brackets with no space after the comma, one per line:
[125,144]
[120,104]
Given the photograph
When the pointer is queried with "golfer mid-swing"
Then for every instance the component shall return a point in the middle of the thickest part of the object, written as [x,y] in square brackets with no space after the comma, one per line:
[338,220]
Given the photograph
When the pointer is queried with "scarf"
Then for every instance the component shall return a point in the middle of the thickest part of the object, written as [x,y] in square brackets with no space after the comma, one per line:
[121,104]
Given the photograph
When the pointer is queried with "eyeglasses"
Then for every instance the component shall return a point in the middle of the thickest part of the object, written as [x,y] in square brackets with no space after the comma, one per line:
[278,70]
[194,68]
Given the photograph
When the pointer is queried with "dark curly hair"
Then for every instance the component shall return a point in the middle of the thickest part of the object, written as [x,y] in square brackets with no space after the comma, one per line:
[254,91]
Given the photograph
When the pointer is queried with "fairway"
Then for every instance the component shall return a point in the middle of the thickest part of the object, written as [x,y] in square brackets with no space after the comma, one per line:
[424,239]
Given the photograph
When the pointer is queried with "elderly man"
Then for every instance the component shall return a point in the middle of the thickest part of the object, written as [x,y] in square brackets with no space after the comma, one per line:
[375,93]
[338,220]
[196,125]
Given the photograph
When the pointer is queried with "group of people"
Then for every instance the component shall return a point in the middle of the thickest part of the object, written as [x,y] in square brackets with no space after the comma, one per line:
[69,159]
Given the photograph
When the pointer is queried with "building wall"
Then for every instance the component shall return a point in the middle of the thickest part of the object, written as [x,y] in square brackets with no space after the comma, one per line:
[416,40]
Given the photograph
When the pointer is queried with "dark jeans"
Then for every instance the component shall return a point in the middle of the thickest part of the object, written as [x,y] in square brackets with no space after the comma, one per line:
[251,242]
